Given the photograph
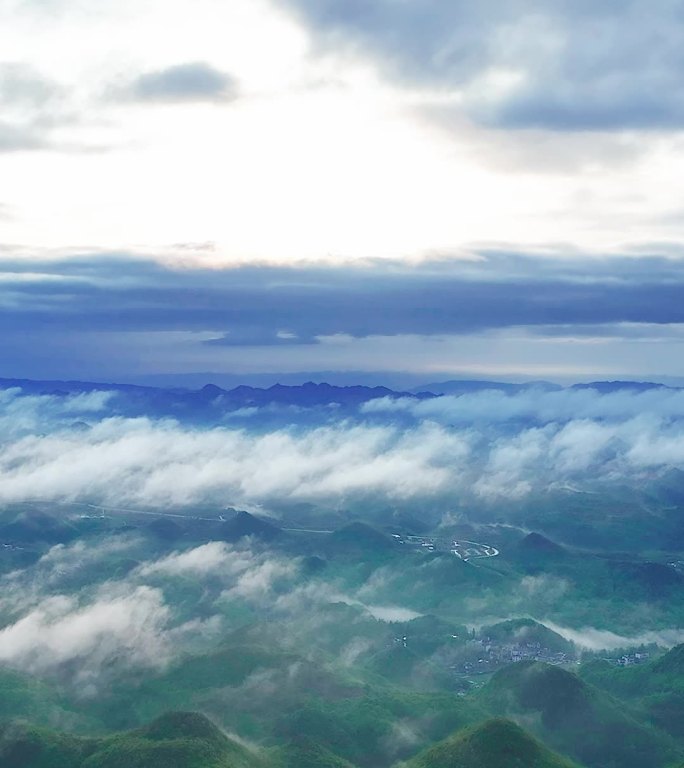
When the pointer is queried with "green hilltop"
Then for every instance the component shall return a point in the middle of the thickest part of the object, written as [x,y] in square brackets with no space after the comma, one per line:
[497,743]
[175,740]
[577,718]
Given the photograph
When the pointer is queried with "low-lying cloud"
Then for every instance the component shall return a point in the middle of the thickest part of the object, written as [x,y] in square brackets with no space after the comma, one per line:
[483,445]
[160,462]
[538,405]
[60,631]
[110,627]
[593,639]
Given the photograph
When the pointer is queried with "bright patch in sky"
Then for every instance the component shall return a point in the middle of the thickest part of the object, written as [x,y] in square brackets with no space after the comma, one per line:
[275,149]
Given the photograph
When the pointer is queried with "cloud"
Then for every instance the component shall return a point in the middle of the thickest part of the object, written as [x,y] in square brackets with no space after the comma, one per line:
[112,629]
[33,107]
[560,66]
[201,561]
[24,414]
[392,614]
[257,583]
[572,314]
[604,640]
[535,404]
[251,574]
[255,337]
[484,446]
[22,87]
[254,304]
[108,628]
[183,83]
[16,138]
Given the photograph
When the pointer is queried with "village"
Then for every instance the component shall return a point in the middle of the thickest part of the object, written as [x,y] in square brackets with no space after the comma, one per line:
[487,656]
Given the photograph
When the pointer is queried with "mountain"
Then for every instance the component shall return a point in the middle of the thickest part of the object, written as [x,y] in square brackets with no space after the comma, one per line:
[537,544]
[309,395]
[606,387]
[671,664]
[175,740]
[244,524]
[22,696]
[165,529]
[306,753]
[472,386]
[468,386]
[576,718]
[359,537]
[134,399]
[211,400]
[32,526]
[497,743]
[655,687]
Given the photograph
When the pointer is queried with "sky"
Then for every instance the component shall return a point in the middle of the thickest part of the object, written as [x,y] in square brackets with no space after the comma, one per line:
[384,188]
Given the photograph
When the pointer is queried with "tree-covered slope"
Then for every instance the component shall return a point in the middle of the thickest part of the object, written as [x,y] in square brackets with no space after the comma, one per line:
[576,718]
[656,688]
[497,743]
[175,740]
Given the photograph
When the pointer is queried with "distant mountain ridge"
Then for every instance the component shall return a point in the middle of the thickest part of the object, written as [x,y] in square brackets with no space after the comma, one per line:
[468,386]
[309,393]
[134,399]
[211,401]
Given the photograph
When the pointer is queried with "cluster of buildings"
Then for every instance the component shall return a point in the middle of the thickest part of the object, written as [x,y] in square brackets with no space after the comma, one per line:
[486,656]
[629,659]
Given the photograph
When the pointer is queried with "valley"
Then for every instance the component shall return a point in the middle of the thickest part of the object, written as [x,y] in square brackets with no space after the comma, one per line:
[335,629]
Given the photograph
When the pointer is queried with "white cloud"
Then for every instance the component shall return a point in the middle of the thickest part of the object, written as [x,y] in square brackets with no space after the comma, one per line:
[498,446]
[392,613]
[27,414]
[138,461]
[604,640]
[258,582]
[538,405]
[113,628]
[212,558]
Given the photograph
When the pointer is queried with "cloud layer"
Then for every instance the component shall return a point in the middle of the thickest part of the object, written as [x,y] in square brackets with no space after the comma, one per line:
[167,318]
[486,445]
[561,66]
[253,303]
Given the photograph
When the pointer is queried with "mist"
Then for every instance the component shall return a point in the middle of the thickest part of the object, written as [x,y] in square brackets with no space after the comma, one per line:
[481,446]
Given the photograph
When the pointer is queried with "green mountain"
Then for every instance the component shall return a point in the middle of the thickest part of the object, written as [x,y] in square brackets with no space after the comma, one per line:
[33,526]
[380,727]
[359,537]
[306,753]
[497,743]
[22,696]
[576,718]
[656,688]
[175,740]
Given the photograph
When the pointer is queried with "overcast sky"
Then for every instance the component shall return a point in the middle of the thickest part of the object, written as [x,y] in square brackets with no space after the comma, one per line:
[439,187]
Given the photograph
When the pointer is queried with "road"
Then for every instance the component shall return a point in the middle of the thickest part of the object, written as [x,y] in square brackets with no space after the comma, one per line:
[475,550]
